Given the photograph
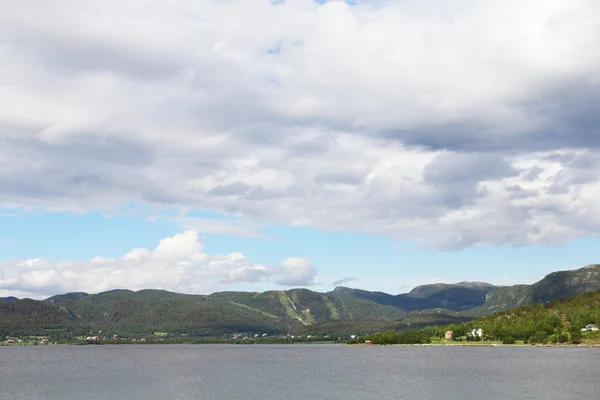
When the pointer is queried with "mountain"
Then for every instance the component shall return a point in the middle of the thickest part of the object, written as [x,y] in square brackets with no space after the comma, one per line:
[61,298]
[455,297]
[479,298]
[425,291]
[557,285]
[413,320]
[342,311]
[32,317]
[9,299]
[559,320]
[145,312]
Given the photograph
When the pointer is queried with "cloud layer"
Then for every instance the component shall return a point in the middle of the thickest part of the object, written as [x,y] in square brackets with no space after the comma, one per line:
[178,263]
[454,124]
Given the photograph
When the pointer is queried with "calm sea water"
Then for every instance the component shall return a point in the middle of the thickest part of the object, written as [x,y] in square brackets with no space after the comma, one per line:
[303,372]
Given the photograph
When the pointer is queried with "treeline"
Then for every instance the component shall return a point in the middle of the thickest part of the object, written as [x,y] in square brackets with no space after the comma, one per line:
[403,337]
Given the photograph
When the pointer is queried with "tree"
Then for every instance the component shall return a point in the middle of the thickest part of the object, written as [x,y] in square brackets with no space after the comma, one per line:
[538,337]
[573,329]
[576,337]
[508,340]
[563,338]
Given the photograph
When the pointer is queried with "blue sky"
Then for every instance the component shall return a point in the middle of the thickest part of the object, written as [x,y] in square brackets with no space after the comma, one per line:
[384,144]
[369,261]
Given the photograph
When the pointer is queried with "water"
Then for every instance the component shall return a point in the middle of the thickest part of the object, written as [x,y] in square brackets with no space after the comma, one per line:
[290,372]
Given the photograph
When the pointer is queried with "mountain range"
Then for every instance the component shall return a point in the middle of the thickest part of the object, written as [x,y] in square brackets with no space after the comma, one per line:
[483,298]
[344,310]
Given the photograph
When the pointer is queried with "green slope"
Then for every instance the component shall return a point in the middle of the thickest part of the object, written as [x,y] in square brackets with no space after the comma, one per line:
[129,313]
[478,298]
[135,314]
[539,322]
[556,285]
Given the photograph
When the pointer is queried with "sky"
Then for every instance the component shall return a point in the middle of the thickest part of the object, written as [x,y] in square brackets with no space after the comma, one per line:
[201,146]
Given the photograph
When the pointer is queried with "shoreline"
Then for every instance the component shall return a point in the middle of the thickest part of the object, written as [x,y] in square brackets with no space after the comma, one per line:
[590,345]
[581,345]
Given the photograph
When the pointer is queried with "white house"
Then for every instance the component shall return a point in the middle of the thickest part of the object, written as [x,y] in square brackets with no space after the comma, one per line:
[590,328]
[475,332]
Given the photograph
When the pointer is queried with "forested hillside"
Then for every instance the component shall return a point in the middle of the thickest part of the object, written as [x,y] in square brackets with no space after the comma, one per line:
[31,317]
[299,311]
[455,297]
[477,298]
[559,321]
[134,314]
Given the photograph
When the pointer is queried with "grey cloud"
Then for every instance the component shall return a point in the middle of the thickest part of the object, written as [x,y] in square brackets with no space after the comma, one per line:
[455,176]
[557,189]
[297,272]
[343,280]
[533,173]
[232,189]
[569,111]
[518,192]
[572,109]
[261,193]
[342,177]
[310,148]
[585,161]
[563,158]
[175,117]
[296,281]
[450,168]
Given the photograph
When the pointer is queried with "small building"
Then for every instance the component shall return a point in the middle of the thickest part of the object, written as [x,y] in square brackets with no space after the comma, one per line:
[9,341]
[44,341]
[475,332]
[448,335]
[590,328]
[367,342]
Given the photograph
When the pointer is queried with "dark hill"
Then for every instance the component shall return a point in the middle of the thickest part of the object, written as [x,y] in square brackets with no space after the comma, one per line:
[145,312]
[557,285]
[61,298]
[32,317]
[480,298]
[455,297]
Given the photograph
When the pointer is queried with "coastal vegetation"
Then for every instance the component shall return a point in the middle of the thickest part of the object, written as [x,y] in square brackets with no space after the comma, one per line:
[572,320]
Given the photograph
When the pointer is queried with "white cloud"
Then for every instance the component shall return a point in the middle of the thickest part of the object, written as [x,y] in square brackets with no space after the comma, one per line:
[178,263]
[419,120]
[298,271]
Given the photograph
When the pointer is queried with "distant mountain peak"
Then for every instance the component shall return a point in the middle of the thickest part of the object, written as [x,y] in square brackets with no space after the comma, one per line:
[431,289]
[61,298]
